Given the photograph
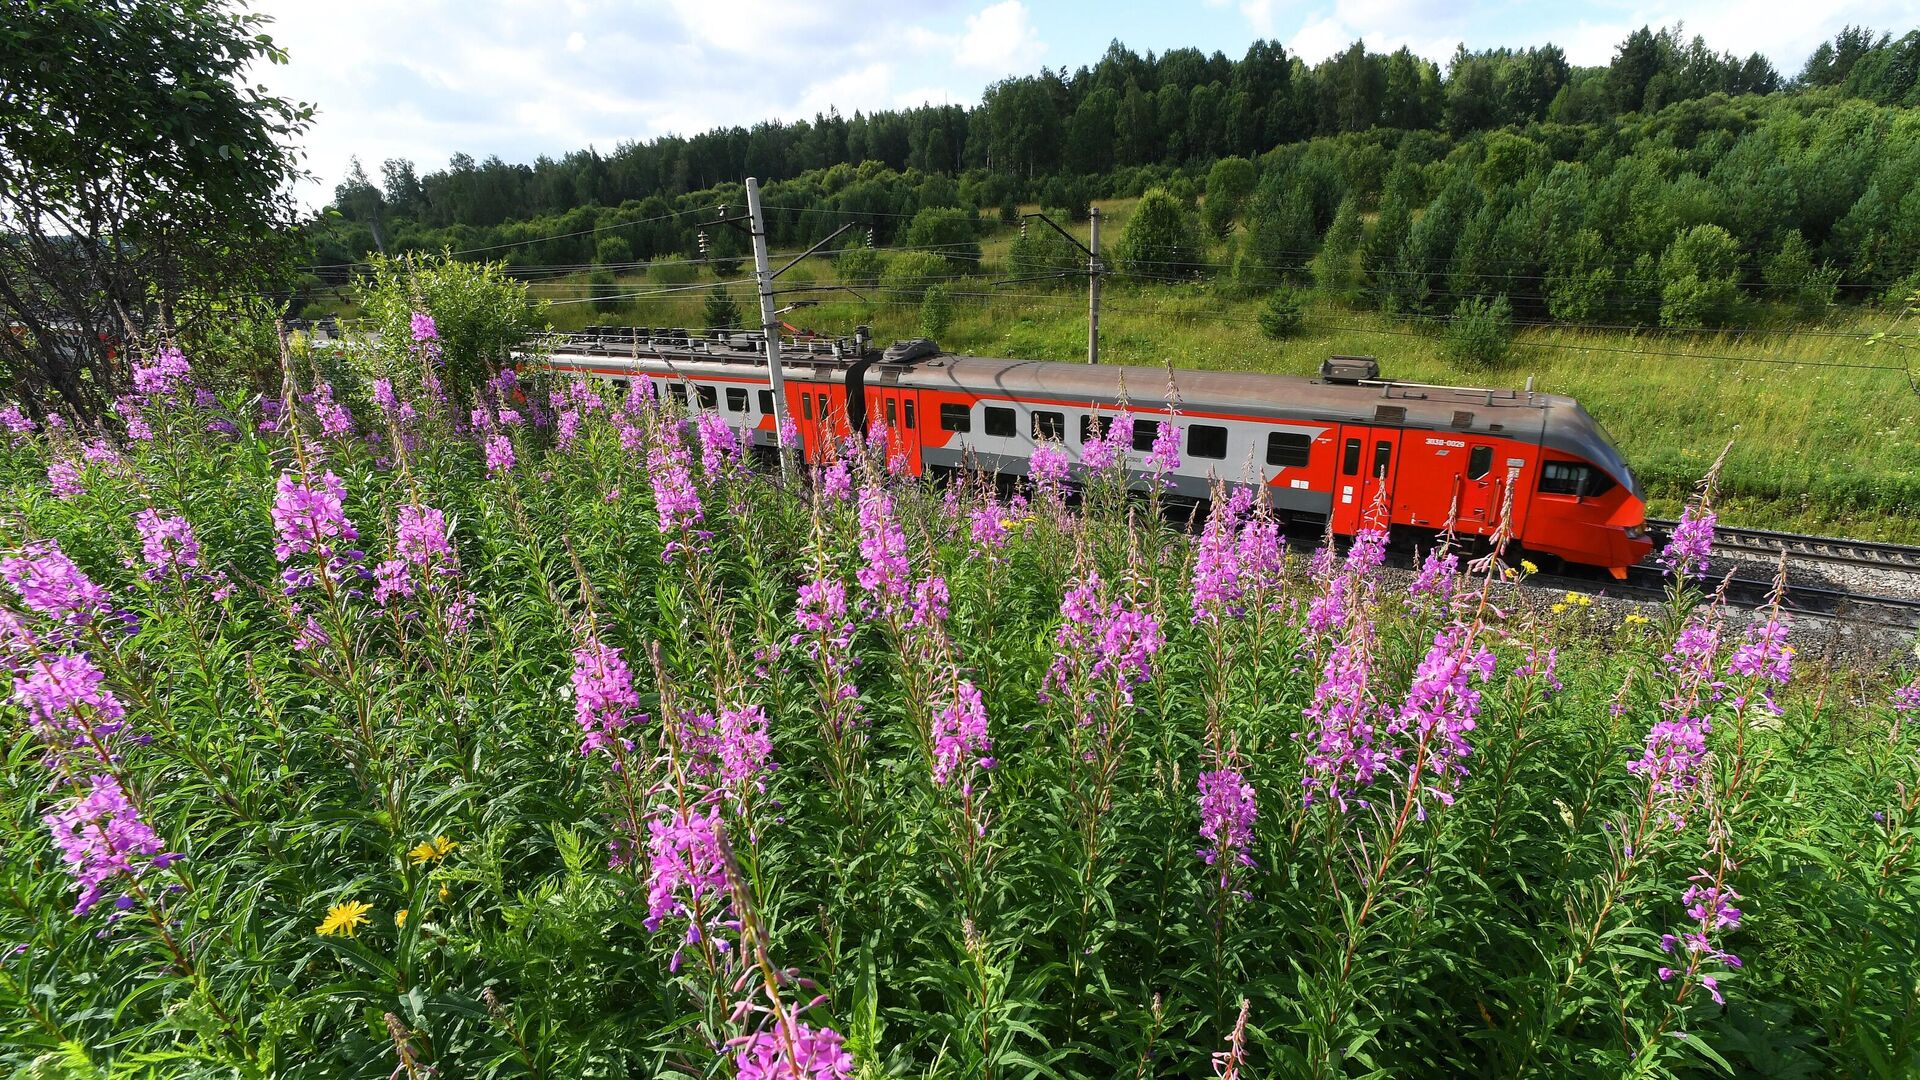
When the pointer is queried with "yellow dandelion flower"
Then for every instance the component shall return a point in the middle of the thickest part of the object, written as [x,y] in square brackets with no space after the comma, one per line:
[431,850]
[344,918]
[1559,609]
[1634,618]
[1571,598]
[1528,566]
[400,918]
[1585,600]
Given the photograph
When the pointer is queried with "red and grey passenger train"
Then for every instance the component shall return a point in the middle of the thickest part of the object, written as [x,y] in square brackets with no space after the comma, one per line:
[1338,451]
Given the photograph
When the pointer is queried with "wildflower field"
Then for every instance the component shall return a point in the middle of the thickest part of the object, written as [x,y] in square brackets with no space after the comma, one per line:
[375,732]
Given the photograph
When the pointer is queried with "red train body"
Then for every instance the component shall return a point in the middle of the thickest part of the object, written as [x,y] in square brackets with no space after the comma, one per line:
[1347,450]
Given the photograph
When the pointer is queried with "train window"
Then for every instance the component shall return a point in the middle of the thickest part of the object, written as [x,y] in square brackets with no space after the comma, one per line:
[893,415]
[823,406]
[1144,434]
[806,406]
[1570,478]
[907,410]
[956,418]
[1350,458]
[1289,449]
[679,392]
[1382,457]
[1000,422]
[1207,441]
[1479,462]
[709,397]
[766,402]
[1093,427]
[736,399]
[1049,425]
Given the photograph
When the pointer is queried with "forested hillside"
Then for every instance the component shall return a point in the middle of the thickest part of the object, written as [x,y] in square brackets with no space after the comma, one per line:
[1503,150]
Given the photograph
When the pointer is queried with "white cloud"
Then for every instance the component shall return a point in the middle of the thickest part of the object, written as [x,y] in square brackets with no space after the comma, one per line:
[576,41]
[1000,40]
[1320,39]
[1259,15]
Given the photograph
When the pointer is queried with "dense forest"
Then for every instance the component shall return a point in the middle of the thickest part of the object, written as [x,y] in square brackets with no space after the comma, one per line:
[1579,193]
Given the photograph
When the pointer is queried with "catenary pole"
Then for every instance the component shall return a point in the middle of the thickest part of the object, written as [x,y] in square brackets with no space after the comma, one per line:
[1093,288]
[769,323]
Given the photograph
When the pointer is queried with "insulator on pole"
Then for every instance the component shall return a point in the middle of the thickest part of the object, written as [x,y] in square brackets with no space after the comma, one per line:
[869,236]
[703,243]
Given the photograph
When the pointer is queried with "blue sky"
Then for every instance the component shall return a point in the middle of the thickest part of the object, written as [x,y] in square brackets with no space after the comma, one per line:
[424,79]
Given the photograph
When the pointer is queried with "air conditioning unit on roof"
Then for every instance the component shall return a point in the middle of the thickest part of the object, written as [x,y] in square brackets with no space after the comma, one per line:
[1349,369]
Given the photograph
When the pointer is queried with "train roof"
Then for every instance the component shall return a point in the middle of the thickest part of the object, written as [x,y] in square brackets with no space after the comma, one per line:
[1555,420]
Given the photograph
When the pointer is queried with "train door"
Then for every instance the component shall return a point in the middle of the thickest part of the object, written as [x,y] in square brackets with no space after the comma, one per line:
[1479,491]
[1363,483]
[899,410]
[807,406]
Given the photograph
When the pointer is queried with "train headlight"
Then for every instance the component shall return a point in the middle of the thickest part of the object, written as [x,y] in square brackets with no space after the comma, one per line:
[1637,532]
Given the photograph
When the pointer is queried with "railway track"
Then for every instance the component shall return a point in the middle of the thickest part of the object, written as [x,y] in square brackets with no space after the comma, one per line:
[1833,549]
[1821,601]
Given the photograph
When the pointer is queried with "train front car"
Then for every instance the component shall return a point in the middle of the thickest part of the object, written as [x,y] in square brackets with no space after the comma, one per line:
[1586,505]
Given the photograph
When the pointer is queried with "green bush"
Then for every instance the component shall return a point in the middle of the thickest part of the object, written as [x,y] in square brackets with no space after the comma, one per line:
[1700,278]
[859,267]
[612,251]
[909,273]
[1040,250]
[1228,185]
[605,292]
[1161,240]
[1480,334]
[721,312]
[951,233]
[479,313]
[936,312]
[1281,316]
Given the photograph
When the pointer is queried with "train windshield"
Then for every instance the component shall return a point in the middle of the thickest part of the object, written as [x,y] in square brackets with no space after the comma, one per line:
[1608,457]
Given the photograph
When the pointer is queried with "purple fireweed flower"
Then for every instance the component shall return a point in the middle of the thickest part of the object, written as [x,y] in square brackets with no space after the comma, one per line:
[836,481]
[67,691]
[101,838]
[167,544]
[15,420]
[1674,758]
[310,636]
[99,452]
[1438,577]
[1048,467]
[391,580]
[420,536]
[163,375]
[1227,810]
[1109,447]
[988,529]
[397,409]
[499,450]
[1112,645]
[686,871]
[930,599]
[566,428]
[1217,582]
[424,328]
[127,407]
[1765,656]
[310,518]
[604,701]
[795,1052]
[1341,756]
[49,584]
[823,610]
[676,500]
[787,432]
[1686,552]
[742,746]
[511,418]
[1442,706]
[1540,664]
[1906,702]
[1165,455]
[960,739]
[63,478]
[335,420]
[720,449]
[883,544]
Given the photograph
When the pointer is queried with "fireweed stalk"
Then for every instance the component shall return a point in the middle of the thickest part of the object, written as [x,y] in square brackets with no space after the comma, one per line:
[102,829]
[1103,652]
[826,631]
[1423,744]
